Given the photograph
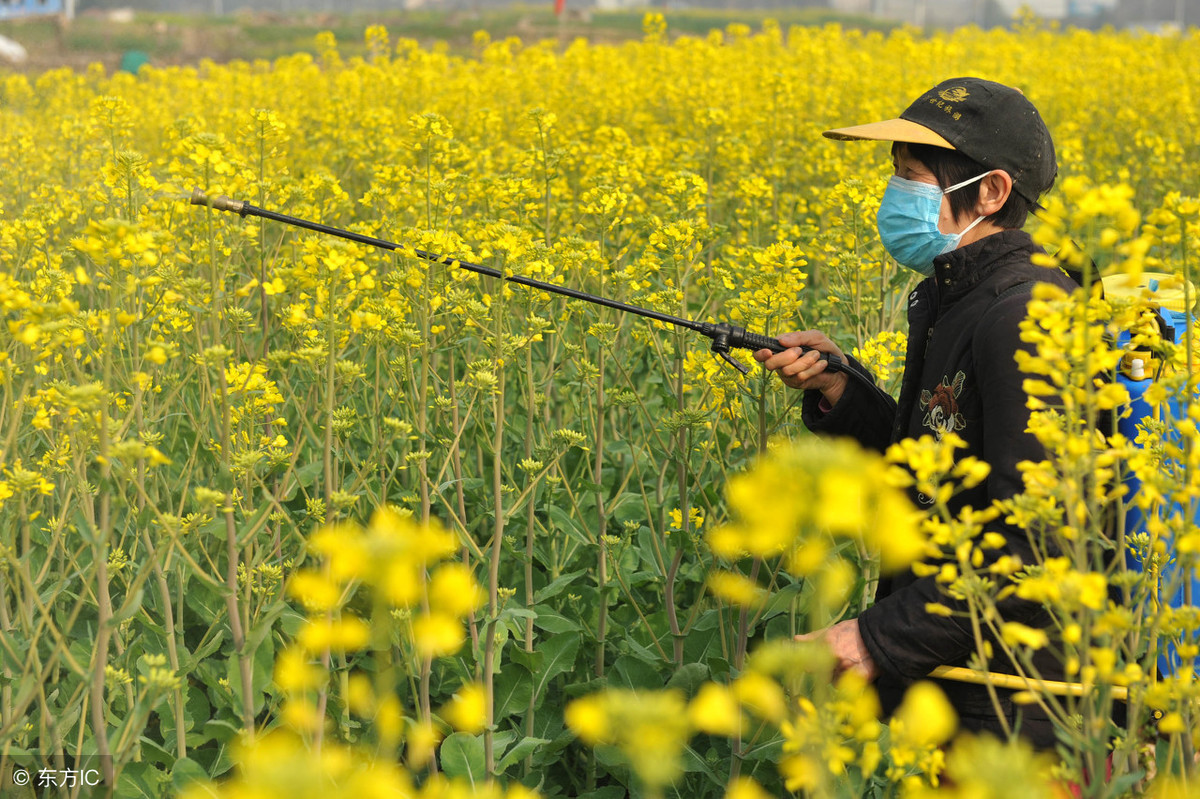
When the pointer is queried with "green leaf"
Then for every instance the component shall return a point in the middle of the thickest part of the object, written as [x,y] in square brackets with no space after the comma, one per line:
[513,689]
[557,585]
[508,617]
[607,792]
[637,649]
[558,656]
[128,609]
[138,780]
[694,763]
[554,623]
[781,601]
[190,660]
[613,759]
[214,527]
[305,476]
[262,668]
[631,672]
[185,772]
[689,677]
[468,484]
[250,527]
[262,626]
[501,740]
[569,525]
[771,750]
[221,731]
[462,756]
[524,748]
[202,599]
[532,661]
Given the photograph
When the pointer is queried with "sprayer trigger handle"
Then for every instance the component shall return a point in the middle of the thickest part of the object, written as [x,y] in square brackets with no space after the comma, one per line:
[754,341]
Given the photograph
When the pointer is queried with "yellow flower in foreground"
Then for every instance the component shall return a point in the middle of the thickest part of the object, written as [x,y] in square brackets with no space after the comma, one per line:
[735,588]
[588,718]
[800,494]
[467,710]
[314,590]
[346,634]
[649,727]
[1017,634]
[715,710]
[745,788]
[295,671]
[423,740]
[926,715]
[453,590]
[437,634]
[761,695]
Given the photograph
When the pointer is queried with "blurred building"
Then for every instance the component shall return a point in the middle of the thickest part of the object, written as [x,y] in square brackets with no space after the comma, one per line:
[1150,14]
[11,9]
[986,13]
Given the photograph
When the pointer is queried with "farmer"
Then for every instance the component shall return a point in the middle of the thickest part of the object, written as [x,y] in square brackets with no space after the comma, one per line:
[971,159]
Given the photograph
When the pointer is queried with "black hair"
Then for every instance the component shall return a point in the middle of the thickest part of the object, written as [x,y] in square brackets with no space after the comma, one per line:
[950,167]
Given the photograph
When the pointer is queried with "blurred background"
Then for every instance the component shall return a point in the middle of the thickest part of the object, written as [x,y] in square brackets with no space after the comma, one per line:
[42,34]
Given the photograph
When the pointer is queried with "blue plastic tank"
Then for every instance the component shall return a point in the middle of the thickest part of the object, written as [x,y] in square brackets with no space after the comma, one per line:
[1137,375]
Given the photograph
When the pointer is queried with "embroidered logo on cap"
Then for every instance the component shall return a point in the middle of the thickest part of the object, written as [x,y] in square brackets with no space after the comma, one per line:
[954,95]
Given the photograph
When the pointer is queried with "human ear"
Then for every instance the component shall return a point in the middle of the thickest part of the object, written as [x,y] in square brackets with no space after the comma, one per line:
[994,191]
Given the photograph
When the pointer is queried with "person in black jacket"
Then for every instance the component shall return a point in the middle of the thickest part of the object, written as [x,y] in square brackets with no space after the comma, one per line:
[971,158]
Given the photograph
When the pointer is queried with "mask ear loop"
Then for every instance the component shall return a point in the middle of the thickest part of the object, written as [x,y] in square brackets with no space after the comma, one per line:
[957,186]
[967,182]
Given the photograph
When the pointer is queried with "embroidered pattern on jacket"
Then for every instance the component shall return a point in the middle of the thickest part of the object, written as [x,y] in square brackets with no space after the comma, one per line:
[941,406]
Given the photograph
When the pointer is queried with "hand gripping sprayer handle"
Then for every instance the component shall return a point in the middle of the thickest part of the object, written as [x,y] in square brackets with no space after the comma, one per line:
[726,336]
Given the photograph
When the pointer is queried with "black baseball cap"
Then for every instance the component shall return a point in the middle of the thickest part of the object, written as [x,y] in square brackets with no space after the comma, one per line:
[988,122]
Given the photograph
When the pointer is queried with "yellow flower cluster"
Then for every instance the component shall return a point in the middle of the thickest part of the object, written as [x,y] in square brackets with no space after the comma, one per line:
[823,494]
[419,599]
[281,763]
[883,354]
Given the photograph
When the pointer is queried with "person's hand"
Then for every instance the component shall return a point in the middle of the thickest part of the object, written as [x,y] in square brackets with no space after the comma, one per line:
[806,371]
[845,641]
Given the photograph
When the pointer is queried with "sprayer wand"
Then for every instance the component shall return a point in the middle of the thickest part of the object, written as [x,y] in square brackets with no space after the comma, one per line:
[724,336]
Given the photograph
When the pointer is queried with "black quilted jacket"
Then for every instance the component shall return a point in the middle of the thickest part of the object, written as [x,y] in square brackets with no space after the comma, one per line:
[959,375]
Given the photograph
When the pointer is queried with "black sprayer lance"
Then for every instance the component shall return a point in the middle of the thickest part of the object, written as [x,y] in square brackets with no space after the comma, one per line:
[724,335]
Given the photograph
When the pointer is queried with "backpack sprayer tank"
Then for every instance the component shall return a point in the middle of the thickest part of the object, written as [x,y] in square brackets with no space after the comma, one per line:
[1137,372]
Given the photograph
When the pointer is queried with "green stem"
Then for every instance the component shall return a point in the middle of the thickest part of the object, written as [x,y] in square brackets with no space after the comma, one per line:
[232,604]
[601,518]
[530,529]
[489,644]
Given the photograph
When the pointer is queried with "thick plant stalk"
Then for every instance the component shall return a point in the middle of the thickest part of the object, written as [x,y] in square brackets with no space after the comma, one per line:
[164,592]
[601,518]
[103,598]
[489,644]
[456,466]
[682,445]
[530,522]
[6,697]
[103,636]
[232,605]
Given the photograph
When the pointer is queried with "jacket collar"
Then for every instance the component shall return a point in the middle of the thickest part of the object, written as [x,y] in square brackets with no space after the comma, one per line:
[959,271]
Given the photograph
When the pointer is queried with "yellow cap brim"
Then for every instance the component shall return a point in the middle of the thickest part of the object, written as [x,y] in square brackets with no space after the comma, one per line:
[890,130]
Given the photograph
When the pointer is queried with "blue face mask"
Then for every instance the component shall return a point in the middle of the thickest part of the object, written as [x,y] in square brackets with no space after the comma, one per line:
[908,222]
